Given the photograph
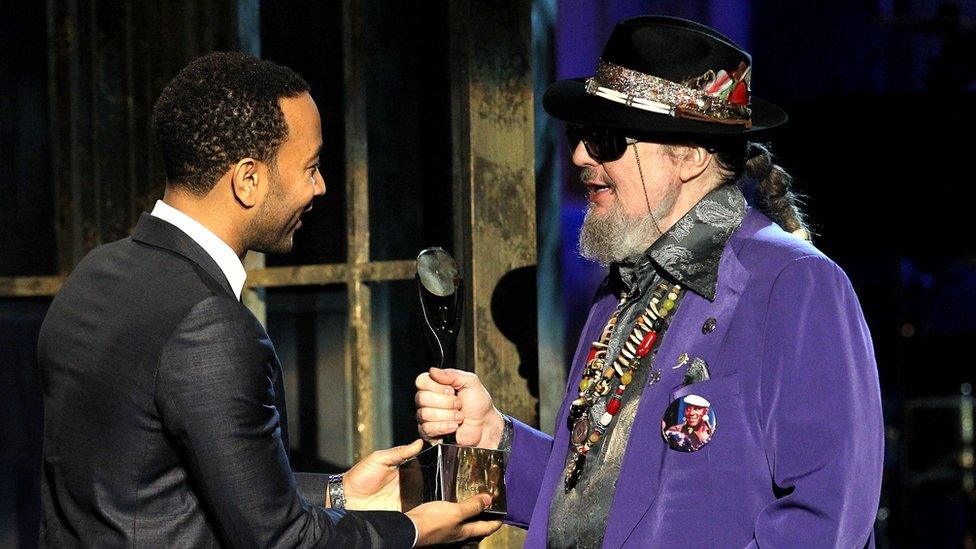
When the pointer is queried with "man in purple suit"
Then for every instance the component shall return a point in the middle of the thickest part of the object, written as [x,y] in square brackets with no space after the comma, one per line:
[713,290]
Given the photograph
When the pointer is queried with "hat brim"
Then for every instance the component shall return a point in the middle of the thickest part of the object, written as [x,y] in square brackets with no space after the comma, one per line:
[568,101]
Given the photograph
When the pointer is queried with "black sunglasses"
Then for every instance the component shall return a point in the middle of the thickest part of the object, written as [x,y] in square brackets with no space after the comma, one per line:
[602,144]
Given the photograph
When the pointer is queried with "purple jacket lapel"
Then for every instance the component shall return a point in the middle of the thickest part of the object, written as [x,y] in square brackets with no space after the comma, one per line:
[639,475]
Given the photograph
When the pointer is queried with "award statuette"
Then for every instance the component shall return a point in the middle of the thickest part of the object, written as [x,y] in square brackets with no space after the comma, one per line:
[446,471]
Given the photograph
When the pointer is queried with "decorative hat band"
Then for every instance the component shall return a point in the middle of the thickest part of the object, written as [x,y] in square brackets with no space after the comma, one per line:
[712,97]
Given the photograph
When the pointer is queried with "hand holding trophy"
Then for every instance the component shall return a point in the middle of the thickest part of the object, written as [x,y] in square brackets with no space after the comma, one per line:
[454,409]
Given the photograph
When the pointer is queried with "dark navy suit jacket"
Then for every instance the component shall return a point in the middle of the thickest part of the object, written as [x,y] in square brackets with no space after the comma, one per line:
[160,421]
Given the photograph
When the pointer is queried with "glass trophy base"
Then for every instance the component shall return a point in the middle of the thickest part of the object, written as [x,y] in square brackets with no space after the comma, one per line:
[446,472]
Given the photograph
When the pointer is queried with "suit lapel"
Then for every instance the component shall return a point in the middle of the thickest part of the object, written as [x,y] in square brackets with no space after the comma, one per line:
[162,234]
[639,479]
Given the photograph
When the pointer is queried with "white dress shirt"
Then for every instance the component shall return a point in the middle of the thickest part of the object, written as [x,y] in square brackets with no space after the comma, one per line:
[222,254]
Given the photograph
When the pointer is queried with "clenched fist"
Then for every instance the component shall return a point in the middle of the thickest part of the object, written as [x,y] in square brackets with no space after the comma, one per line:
[454,401]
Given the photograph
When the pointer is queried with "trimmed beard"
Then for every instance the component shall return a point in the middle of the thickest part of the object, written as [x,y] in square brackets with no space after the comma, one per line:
[265,232]
[615,236]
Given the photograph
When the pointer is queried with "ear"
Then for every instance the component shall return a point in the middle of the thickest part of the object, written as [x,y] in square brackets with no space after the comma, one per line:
[246,182]
[694,162]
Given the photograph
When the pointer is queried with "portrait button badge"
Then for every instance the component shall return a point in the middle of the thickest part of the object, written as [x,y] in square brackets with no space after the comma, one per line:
[688,423]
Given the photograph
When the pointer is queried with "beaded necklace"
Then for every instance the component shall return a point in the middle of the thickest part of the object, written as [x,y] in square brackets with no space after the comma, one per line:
[597,379]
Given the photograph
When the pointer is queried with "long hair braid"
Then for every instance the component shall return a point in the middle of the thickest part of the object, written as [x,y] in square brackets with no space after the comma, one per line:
[753,163]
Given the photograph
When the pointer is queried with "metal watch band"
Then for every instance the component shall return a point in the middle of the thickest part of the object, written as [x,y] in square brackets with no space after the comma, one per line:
[336,496]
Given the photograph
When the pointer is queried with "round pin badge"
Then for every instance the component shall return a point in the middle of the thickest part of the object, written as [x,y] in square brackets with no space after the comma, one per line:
[688,423]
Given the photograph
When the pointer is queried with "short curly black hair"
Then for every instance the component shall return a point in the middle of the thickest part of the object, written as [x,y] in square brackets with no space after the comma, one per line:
[220,108]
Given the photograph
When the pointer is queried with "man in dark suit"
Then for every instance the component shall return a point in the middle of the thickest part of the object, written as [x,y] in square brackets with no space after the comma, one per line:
[161,426]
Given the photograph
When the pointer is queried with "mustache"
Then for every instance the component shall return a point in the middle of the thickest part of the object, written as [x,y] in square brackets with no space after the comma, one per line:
[589,173]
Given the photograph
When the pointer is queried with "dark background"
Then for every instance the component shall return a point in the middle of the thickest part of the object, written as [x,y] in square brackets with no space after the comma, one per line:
[880,96]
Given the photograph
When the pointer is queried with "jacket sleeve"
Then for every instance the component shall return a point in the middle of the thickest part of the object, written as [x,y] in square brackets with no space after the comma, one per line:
[215,397]
[820,411]
[524,471]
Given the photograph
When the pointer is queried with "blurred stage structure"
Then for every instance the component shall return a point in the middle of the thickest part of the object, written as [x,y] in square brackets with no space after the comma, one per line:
[428,120]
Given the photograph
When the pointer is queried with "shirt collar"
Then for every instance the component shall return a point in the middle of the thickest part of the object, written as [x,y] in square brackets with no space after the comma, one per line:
[221,253]
[691,249]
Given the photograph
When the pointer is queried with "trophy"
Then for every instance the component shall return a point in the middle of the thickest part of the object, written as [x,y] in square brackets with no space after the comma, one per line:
[446,471]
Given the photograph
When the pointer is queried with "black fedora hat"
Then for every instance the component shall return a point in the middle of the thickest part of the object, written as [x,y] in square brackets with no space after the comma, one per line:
[665,75]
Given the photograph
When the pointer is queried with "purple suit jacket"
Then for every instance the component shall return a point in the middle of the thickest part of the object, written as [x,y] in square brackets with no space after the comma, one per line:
[796,458]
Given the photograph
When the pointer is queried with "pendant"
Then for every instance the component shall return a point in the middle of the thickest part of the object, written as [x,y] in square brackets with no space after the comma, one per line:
[575,413]
[574,471]
[580,430]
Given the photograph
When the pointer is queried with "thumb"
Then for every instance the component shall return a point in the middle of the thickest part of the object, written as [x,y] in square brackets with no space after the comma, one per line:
[398,454]
[445,376]
[474,505]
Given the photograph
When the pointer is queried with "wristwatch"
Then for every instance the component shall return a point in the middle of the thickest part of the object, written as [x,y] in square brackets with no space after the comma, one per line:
[336,496]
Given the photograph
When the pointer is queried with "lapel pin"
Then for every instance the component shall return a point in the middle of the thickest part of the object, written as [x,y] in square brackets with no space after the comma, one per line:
[698,371]
[688,423]
[708,326]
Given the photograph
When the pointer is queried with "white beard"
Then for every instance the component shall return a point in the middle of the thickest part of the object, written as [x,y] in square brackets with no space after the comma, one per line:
[615,236]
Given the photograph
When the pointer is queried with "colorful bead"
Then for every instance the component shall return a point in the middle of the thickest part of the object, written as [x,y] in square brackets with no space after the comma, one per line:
[647,344]
[597,380]
[631,346]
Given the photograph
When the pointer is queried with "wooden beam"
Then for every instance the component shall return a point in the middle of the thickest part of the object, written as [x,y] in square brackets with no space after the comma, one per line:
[359,364]
[267,277]
[30,286]
[492,114]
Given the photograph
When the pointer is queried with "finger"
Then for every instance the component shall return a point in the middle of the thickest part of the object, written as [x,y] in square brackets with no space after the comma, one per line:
[436,400]
[427,415]
[398,454]
[424,383]
[479,528]
[437,429]
[474,505]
